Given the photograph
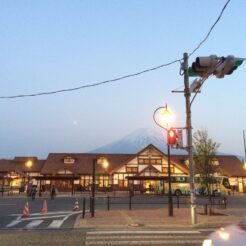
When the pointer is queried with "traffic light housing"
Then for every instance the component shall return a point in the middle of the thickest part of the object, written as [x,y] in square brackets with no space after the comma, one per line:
[203,66]
[172,136]
[227,66]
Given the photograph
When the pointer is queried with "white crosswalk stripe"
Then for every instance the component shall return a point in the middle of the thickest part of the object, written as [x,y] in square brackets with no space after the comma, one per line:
[13,223]
[144,238]
[33,224]
[52,220]
[56,224]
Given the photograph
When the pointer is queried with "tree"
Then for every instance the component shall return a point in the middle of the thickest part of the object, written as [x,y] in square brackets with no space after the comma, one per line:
[204,155]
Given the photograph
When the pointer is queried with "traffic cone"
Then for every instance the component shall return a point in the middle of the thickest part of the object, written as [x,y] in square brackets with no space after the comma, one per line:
[76,206]
[26,212]
[44,208]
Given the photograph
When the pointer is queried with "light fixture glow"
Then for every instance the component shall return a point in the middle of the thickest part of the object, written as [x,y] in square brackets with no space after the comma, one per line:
[166,116]
[29,164]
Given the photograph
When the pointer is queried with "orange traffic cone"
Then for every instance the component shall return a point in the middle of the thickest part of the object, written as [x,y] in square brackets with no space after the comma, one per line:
[26,212]
[44,208]
[76,206]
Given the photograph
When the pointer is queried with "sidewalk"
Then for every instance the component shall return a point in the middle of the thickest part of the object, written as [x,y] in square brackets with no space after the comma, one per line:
[158,218]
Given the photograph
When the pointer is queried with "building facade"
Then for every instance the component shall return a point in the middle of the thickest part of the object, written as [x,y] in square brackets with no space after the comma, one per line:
[145,171]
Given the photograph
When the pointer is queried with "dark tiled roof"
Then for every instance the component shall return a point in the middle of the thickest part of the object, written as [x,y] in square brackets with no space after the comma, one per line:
[19,164]
[83,162]
[229,164]
[5,165]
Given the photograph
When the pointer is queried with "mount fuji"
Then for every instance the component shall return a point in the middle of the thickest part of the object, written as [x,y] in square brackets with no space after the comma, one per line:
[136,141]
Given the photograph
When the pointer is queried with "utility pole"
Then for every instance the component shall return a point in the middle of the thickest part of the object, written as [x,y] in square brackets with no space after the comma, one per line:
[170,199]
[189,139]
[93,187]
[244,145]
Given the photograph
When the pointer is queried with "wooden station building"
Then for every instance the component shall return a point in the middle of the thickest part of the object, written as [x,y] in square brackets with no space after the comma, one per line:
[73,171]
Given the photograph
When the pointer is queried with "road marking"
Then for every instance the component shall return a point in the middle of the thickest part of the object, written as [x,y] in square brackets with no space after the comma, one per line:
[7,204]
[13,223]
[43,217]
[33,224]
[60,212]
[134,242]
[142,232]
[56,224]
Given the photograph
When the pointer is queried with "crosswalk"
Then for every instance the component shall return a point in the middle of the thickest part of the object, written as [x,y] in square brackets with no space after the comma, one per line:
[47,221]
[144,237]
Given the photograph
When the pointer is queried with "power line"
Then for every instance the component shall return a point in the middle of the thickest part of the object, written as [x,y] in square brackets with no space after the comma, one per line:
[90,85]
[211,29]
[122,77]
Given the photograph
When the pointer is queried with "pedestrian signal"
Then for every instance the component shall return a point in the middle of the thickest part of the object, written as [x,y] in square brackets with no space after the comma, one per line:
[172,136]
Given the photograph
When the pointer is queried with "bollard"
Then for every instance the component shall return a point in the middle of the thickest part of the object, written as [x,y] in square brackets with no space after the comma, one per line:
[210,210]
[108,203]
[177,201]
[224,202]
[130,202]
[83,213]
[90,205]
[206,209]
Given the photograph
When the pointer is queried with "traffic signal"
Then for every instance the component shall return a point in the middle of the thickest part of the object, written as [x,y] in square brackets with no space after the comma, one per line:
[227,65]
[203,66]
[172,136]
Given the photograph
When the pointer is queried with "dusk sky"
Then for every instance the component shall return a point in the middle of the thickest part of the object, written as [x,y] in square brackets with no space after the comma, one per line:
[53,45]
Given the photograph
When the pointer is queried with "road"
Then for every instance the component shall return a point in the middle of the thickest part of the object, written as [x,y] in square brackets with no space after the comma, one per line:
[105,237]
[61,215]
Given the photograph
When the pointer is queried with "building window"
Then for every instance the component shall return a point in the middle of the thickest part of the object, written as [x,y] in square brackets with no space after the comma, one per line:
[68,160]
[165,169]
[215,162]
[123,183]
[149,160]
[131,169]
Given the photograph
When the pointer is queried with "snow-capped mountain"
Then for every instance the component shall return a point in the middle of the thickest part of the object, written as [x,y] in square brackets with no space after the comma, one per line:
[136,141]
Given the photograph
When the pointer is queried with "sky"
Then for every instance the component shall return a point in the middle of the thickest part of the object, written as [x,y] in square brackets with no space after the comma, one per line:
[52,45]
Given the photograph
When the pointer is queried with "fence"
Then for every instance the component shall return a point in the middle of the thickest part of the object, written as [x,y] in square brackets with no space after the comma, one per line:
[136,202]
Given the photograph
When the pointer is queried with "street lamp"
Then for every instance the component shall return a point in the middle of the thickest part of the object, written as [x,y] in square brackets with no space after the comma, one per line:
[28,165]
[166,118]
[101,161]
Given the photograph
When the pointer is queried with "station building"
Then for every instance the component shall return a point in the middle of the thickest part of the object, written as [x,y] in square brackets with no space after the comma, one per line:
[144,171]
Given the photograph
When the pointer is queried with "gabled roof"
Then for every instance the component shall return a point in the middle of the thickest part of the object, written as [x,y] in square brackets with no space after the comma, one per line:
[83,162]
[150,167]
[183,168]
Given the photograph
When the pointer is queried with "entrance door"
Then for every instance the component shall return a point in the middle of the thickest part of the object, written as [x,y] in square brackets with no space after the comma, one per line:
[150,186]
[63,185]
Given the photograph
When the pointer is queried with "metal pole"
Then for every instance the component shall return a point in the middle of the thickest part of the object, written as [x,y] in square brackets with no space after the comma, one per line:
[244,145]
[93,188]
[189,139]
[170,200]
[28,180]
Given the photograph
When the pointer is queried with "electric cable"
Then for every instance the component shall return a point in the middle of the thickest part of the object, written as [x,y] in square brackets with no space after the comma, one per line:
[125,76]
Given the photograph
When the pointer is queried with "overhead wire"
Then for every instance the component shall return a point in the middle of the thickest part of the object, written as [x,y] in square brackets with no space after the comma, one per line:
[210,30]
[125,76]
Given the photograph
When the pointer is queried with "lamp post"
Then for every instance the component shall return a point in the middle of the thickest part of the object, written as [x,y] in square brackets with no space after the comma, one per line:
[104,162]
[166,117]
[28,164]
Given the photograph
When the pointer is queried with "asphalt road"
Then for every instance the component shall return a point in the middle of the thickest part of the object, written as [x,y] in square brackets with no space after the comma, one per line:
[61,215]
[182,236]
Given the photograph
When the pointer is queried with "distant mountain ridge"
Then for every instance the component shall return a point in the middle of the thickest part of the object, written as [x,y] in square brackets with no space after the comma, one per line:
[136,141]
